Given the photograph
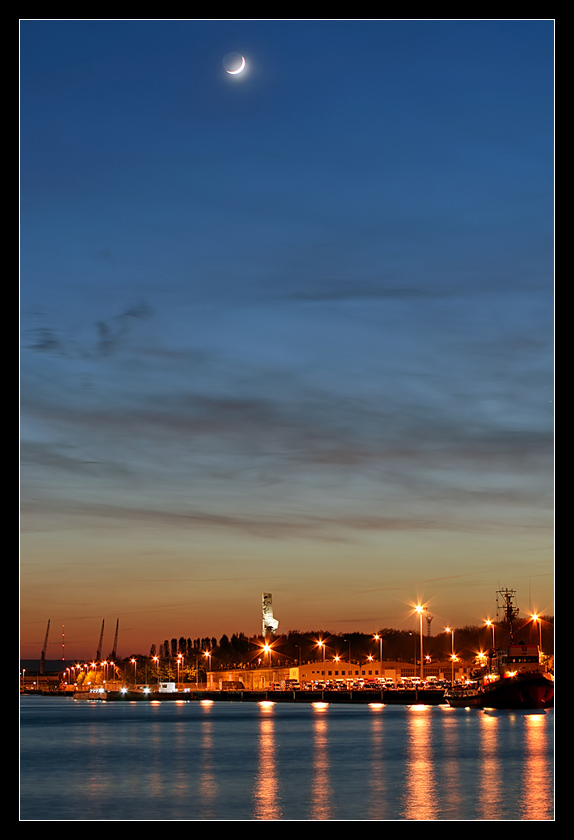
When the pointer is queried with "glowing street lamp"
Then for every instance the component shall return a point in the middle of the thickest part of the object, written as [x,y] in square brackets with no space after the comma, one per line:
[536,619]
[379,639]
[134,662]
[490,623]
[321,645]
[156,660]
[452,656]
[207,655]
[420,609]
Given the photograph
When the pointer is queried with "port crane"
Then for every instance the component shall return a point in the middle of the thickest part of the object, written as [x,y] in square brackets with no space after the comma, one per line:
[99,651]
[43,654]
[114,652]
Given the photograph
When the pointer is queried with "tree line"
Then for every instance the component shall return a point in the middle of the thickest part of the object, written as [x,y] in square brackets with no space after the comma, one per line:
[187,660]
[297,647]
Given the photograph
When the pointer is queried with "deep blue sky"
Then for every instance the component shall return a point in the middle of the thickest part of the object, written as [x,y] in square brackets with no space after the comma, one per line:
[288,331]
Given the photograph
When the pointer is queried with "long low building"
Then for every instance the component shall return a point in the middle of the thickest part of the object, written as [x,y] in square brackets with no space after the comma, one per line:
[259,679]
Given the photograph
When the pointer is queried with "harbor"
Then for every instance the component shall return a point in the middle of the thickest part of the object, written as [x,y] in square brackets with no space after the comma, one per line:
[507,672]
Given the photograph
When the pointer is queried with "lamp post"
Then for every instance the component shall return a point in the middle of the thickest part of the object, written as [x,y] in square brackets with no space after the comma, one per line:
[490,623]
[379,639]
[350,660]
[537,620]
[135,664]
[420,609]
[207,655]
[448,630]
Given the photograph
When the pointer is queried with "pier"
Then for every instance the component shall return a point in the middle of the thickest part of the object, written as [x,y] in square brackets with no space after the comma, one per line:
[398,697]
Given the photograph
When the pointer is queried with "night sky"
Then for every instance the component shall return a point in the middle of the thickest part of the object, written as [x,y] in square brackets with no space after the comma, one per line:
[286,331]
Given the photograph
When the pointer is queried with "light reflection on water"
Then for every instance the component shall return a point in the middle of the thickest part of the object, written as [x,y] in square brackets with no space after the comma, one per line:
[536,781]
[491,774]
[420,788]
[207,787]
[245,761]
[265,793]
[321,780]
[376,780]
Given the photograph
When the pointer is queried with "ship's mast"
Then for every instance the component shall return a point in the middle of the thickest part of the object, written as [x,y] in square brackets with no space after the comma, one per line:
[510,611]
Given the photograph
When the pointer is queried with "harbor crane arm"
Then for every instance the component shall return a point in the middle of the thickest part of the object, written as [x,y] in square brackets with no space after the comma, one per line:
[43,655]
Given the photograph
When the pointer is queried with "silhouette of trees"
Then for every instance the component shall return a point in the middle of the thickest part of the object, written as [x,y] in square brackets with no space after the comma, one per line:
[296,646]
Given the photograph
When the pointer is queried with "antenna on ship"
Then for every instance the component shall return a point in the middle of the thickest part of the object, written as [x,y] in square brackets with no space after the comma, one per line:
[510,611]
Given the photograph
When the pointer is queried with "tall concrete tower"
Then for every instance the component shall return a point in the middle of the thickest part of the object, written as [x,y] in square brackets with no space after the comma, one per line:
[270,624]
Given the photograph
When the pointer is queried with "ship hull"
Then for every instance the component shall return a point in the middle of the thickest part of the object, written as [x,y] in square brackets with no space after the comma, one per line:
[524,691]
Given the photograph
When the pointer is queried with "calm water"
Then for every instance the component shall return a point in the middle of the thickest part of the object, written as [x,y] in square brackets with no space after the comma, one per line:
[240,761]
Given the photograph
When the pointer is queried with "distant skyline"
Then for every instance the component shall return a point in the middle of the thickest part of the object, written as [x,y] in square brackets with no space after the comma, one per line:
[289,330]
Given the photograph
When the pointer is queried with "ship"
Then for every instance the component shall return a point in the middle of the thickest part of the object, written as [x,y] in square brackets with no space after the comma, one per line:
[516,680]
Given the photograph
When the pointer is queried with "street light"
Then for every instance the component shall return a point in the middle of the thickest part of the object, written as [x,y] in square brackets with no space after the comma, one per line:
[490,623]
[207,654]
[379,639]
[452,656]
[537,619]
[420,609]
[321,645]
[134,661]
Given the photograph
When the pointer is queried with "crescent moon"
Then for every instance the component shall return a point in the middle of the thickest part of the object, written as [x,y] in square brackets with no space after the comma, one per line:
[239,69]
